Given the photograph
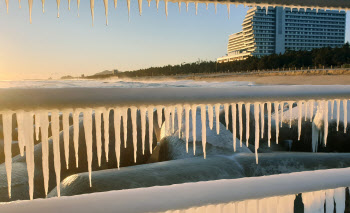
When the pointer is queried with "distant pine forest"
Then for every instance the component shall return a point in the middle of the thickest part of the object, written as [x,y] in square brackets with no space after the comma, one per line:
[323,58]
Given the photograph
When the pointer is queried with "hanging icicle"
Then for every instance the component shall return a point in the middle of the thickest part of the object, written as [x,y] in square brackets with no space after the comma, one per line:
[19,4]
[143,111]
[345,108]
[92,6]
[204,129]
[194,123]
[106,131]
[68,4]
[325,118]
[300,113]
[134,130]
[157,5]
[76,114]
[65,120]
[290,103]
[88,139]
[117,120]
[187,6]
[7,6]
[128,4]
[78,5]
[44,126]
[247,122]
[7,129]
[276,106]
[29,144]
[140,6]
[338,113]
[216,7]
[269,123]
[125,124]
[226,109]
[179,109]
[240,123]
[30,3]
[58,7]
[282,110]
[150,127]
[262,111]
[37,125]
[98,115]
[105,2]
[234,123]
[115,4]
[217,117]
[179,4]
[228,10]
[187,117]
[211,116]
[55,128]
[257,129]
[196,6]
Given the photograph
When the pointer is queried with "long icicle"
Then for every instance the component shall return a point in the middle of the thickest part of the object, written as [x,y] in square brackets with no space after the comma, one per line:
[88,139]
[125,124]
[44,121]
[68,4]
[187,117]
[105,2]
[140,7]
[55,128]
[276,106]
[30,3]
[338,113]
[65,120]
[160,115]
[216,7]
[20,124]
[204,129]
[106,132]
[78,6]
[312,105]
[58,7]
[76,114]
[166,8]
[7,129]
[143,111]
[115,4]
[257,129]
[325,110]
[300,113]
[240,123]
[290,113]
[98,114]
[150,127]
[179,4]
[211,116]
[43,5]
[194,123]
[172,119]
[117,120]
[179,109]
[217,117]
[157,5]
[247,122]
[262,113]
[228,10]
[29,143]
[196,6]
[282,110]
[332,109]
[128,4]
[19,4]
[226,108]
[305,109]
[269,123]
[187,6]
[7,6]
[345,108]
[92,6]
[37,125]
[234,125]
[134,130]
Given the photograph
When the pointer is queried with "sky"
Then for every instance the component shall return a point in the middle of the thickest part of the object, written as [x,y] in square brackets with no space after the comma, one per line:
[70,45]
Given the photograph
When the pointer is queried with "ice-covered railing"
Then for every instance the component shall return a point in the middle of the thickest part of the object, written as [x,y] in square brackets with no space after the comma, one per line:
[276,193]
[294,4]
[176,103]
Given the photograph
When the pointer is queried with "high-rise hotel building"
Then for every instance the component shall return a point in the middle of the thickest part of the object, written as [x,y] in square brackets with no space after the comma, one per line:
[279,29]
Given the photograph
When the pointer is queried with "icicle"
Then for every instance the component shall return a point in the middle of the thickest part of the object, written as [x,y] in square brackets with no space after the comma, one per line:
[106,10]
[300,111]
[98,114]
[19,4]
[134,130]
[276,106]
[55,128]
[282,110]
[186,6]
[117,120]
[29,143]
[345,108]
[312,103]
[157,5]
[216,7]
[7,129]
[194,123]
[247,122]
[325,111]
[305,109]
[21,139]
[172,119]
[159,115]
[128,4]
[76,114]
[228,10]
[92,6]
[106,133]
[262,111]
[330,201]
[217,117]
[179,3]
[269,123]
[290,113]
[257,129]
[211,116]
[140,7]
[88,139]
[44,121]
[125,124]
[204,129]
[143,111]
[234,123]
[206,5]
[68,4]
[332,109]
[166,8]
[30,3]
[7,6]
[150,127]
[226,108]
[187,117]
[196,6]
[115,4]
[65,120]
[339,198]
[78,5]
[37,125]
[149,3]
[167,119]
[179,118]
[338,113]
[58,7]
[240,123]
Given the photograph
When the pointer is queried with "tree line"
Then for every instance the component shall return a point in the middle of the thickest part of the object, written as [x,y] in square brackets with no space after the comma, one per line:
[316,58]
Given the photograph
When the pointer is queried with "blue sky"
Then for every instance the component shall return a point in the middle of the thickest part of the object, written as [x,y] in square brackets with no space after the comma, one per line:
[52,47]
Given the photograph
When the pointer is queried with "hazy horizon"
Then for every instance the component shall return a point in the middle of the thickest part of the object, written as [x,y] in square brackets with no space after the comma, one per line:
[70,45]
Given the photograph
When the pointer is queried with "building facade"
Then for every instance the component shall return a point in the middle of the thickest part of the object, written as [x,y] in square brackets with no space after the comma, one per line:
[278,29]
